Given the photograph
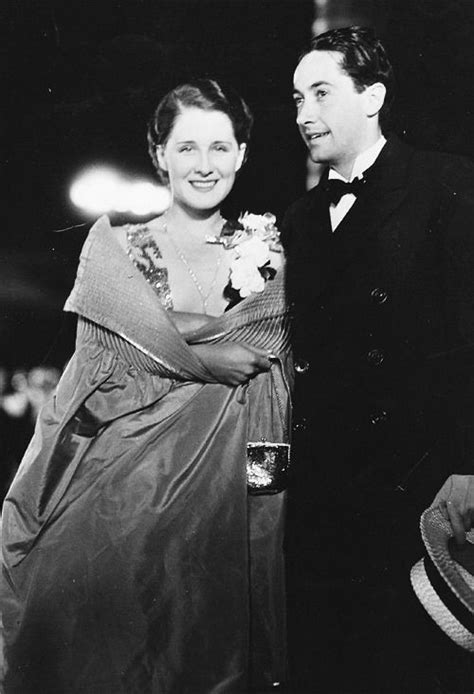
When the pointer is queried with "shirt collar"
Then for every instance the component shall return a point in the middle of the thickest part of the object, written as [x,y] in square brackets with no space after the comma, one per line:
[362,162]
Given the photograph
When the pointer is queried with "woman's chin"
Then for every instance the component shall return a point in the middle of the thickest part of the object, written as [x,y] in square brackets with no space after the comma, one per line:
[205,203]
[203,199]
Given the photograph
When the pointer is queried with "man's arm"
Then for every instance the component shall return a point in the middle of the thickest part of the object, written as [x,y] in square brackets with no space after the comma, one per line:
[455,499]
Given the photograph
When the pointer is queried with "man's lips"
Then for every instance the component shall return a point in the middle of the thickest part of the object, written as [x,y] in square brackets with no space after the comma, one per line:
[312,137]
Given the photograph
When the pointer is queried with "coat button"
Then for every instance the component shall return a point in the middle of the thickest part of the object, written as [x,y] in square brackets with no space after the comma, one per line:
[379,295]
[378,417]
[301,366]
[301,424]
[375,357]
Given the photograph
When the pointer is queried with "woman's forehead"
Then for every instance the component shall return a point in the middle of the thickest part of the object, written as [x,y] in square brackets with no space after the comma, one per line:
[193,123]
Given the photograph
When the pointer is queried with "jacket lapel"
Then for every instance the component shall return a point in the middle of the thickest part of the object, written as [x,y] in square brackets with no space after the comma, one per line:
[368,219]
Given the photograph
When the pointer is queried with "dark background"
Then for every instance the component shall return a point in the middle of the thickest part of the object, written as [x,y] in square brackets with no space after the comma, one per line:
[80,79]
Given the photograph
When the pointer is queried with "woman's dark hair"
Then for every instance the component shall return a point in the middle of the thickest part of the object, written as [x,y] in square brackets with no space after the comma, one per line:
[363,59]
[206,94]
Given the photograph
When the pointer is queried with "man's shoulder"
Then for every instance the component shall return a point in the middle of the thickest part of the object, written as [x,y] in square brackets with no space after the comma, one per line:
[442,160]
[442,175]
[453,172]
[297,216]
[302,205]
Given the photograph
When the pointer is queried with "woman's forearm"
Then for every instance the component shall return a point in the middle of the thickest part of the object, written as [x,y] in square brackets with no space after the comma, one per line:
[187,322]
[232,363]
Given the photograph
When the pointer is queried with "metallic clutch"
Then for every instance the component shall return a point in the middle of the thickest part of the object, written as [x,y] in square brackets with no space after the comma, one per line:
[267,467]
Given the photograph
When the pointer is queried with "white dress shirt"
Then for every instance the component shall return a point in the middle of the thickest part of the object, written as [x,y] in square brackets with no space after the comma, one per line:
[362,162]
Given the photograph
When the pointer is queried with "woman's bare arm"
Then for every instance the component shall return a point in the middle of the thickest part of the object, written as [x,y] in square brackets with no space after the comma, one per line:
[233,363]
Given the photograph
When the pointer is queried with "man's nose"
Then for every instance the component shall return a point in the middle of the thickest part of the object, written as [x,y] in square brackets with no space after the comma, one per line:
[307,113]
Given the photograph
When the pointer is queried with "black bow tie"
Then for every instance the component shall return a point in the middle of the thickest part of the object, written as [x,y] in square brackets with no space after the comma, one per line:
[335,188]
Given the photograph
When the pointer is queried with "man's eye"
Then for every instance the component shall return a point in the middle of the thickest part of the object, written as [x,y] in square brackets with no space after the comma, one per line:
[185,148]
[298,101]
[221,148]
[321,93]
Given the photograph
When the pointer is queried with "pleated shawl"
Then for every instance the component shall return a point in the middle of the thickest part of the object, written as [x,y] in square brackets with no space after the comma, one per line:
[112,294]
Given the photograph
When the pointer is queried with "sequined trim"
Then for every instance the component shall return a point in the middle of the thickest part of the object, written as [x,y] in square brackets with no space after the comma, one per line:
[145,254]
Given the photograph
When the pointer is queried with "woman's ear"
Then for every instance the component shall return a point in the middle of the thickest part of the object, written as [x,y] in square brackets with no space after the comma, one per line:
[375,97]
[240,156]
[161,158]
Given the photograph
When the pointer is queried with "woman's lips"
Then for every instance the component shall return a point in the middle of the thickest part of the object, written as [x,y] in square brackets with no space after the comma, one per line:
[203,185]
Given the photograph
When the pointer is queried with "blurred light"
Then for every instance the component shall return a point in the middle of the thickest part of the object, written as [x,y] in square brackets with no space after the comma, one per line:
[95,191]
[144,197]
[99,190]
[320,25]
[322,12]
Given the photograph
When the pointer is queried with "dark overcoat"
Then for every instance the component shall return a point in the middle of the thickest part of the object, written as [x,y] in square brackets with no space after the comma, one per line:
[384,412]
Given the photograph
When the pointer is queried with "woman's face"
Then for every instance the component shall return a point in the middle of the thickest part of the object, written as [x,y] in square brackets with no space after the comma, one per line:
[201,157]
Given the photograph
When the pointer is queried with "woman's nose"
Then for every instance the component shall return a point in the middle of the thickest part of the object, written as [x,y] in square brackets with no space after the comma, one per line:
[203,164]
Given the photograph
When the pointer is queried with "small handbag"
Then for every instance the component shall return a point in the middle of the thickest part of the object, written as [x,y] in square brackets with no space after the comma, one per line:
[268,462]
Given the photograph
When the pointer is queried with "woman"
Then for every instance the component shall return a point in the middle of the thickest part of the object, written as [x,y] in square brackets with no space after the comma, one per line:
[134,558]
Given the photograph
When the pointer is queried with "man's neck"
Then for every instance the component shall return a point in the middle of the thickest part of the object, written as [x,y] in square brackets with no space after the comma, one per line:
[358,164]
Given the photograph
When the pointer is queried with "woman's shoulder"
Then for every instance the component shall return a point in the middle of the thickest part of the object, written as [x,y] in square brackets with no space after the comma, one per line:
[129,233]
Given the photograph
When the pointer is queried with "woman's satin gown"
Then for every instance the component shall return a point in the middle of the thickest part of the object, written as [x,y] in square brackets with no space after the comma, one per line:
[134,559]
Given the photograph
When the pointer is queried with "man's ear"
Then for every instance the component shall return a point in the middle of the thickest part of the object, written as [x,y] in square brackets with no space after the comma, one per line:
[374,98]
[240,156]
[160,155]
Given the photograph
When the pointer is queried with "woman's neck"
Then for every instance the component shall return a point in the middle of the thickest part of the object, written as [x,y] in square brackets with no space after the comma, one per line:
[198,225]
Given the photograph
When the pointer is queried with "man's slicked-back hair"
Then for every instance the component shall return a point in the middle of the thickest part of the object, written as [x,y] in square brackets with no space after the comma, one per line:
[363,59]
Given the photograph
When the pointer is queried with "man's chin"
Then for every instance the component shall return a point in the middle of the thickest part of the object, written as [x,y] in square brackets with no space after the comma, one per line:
[318,158]
[318,154]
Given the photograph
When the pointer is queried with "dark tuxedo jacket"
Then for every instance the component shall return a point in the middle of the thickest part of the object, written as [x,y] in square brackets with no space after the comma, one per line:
[384,315]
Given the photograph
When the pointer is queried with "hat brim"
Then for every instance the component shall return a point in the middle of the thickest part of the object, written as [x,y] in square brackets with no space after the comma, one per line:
[443,586]
[437,609]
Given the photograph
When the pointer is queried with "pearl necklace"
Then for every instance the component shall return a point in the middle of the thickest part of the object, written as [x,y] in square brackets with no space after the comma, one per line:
[204,297]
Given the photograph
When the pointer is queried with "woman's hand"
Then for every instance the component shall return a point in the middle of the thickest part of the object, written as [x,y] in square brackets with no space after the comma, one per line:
[455,499]
[233,363]
[187,322]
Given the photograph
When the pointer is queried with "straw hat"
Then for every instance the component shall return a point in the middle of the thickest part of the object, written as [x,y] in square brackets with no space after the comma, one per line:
[444,580]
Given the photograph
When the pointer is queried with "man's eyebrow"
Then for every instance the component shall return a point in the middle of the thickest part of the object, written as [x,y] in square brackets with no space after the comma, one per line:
[315,85]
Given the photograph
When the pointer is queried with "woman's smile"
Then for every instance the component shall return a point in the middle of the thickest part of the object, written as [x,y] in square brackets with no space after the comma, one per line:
[201,157]
[203,186]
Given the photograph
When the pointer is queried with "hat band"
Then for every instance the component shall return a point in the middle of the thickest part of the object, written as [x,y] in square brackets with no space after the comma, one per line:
[452,603]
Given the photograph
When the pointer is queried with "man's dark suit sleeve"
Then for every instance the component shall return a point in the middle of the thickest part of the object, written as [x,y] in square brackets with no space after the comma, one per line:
[457,226]
[298,263]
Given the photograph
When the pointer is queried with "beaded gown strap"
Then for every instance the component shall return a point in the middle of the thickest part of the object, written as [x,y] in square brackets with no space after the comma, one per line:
[145,254]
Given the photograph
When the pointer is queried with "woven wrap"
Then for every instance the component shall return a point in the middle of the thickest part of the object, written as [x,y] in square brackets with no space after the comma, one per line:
[112,293]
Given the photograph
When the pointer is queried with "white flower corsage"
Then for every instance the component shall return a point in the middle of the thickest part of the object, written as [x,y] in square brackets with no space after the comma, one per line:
[250,238]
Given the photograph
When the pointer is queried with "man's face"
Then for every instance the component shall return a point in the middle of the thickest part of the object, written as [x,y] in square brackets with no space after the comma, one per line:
[331,115]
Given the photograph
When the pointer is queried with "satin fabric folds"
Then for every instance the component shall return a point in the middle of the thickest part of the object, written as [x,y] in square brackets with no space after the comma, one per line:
[133,558]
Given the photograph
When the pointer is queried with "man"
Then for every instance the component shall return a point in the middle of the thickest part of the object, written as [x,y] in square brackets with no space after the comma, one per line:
[381,277]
